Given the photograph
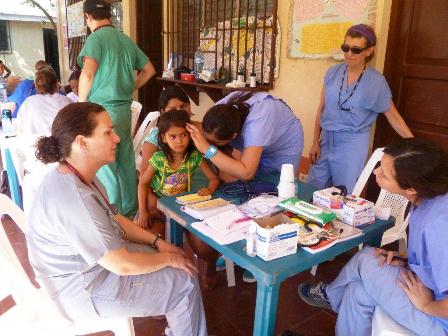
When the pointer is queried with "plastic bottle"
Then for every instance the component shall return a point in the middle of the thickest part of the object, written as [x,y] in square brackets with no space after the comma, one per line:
[253,79]
[3,92]
[8,130]
[240,77]
[198,61]
[251,240]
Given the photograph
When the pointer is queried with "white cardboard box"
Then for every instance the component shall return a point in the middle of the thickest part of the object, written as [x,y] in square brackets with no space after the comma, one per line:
[277,236]
[352,210]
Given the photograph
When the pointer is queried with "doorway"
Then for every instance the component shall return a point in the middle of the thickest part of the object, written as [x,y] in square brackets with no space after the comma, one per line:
[149,37]
[416,69]
[51,49]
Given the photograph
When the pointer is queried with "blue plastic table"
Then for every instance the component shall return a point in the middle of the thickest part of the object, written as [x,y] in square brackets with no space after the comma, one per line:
[269,274]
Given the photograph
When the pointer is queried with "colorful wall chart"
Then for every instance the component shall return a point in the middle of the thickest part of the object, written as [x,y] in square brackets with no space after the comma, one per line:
[318,26]
[75,20]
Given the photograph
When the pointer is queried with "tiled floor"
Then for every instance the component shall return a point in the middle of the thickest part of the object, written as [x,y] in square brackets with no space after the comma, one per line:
[230,311]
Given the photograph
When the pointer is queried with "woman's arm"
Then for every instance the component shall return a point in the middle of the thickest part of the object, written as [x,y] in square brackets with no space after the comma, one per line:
[315,147]
[422,297]
[145,75]
[143,191]
[244,169]
[124,262]
[213,180]
[397,122]
[148,149]
[8,72]
[86,78]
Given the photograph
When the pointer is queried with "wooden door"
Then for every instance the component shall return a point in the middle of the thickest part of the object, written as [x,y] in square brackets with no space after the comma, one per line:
[149,37]
[416,69]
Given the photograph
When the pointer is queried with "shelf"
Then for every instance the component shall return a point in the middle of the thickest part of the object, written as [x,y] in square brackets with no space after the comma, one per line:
[215,91]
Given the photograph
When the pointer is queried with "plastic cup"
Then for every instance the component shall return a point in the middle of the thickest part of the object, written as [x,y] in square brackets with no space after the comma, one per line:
[287,173]
[286,190]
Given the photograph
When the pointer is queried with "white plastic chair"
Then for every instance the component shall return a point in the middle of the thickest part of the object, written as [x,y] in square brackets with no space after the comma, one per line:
[384,325]
[136,109]
[398,205]
[377,155]
[143,131]
[35,313]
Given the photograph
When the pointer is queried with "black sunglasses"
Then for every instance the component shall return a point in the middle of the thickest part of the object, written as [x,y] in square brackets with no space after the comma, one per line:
[355,50]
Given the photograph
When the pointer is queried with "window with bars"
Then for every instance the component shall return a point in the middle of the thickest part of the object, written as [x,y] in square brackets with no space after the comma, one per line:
[5,41]
[235,35]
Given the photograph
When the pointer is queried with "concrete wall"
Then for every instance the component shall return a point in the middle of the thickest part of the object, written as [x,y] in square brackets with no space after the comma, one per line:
[27,46]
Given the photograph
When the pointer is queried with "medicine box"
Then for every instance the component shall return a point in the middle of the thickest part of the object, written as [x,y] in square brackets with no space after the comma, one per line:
[352,209]
[277,236]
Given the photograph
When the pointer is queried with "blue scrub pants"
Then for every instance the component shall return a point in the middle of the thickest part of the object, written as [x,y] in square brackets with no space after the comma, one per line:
[361,286]
[342,159]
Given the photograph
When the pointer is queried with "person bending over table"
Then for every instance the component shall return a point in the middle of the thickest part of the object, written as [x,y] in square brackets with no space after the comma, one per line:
[93,261]
[263,132]
[414,294]
[352,97]
[262,129]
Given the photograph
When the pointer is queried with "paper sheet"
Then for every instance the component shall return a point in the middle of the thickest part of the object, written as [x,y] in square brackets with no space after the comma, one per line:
[220,238]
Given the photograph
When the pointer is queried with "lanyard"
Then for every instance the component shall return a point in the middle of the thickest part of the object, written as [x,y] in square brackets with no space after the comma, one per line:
[112,209]
[351,93]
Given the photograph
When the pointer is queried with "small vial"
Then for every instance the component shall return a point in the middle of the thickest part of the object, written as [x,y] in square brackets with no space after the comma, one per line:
[240,77]
[251,239]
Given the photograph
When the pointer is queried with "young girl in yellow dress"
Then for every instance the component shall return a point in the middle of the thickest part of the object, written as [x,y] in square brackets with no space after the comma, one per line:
[171,169]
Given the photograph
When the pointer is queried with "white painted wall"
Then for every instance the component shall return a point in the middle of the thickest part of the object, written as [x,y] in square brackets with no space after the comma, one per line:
[27,46]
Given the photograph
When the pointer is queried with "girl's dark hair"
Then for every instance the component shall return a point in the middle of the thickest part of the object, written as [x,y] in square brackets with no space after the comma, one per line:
[179,118]
[73,120]
[75,75]
[172,91]
[421,165]
[224,120]
[46,81]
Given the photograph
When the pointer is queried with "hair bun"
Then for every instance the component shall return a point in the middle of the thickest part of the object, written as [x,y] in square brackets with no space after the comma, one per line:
[48,149]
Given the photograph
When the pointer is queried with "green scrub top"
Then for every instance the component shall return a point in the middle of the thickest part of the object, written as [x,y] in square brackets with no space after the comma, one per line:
[117,57]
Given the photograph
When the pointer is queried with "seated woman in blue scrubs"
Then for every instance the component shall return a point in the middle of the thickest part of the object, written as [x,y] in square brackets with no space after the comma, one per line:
[352,97]
[414,294]
[254,132]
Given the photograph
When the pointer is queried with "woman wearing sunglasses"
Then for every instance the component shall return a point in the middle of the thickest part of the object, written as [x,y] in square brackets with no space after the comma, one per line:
[352,97]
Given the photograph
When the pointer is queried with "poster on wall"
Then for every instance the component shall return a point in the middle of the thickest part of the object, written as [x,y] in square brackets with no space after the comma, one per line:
[75,20]
[317,27]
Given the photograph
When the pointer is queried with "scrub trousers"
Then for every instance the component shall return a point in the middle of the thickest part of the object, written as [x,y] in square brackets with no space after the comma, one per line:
[169,291]
[342,158]
[120,177]
[361,286]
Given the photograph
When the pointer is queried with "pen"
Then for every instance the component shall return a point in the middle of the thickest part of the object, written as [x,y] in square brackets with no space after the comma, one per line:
[239,220]
[396,257]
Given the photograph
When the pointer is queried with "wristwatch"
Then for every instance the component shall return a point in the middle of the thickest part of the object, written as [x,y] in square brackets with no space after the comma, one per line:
[154,244]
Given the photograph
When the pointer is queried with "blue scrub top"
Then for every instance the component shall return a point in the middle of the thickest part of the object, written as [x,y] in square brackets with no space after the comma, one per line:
[272,125]
[428,248]
[371,97]
[23,90]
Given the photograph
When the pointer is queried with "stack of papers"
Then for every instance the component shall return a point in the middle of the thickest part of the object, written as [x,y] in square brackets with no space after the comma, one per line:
[226,227]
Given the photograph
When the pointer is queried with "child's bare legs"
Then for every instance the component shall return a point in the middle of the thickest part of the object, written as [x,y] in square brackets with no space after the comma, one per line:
[156,220]
[207,257]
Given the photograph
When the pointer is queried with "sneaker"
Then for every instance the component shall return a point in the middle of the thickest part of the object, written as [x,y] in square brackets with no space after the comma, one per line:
[314,295]
[220,264]
[248,277]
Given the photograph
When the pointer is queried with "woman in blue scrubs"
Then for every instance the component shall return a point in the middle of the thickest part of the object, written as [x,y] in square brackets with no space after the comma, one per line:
[413,293]
[352,97]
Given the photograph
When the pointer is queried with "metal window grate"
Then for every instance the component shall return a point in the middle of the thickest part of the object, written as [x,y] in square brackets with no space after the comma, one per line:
[237,35]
